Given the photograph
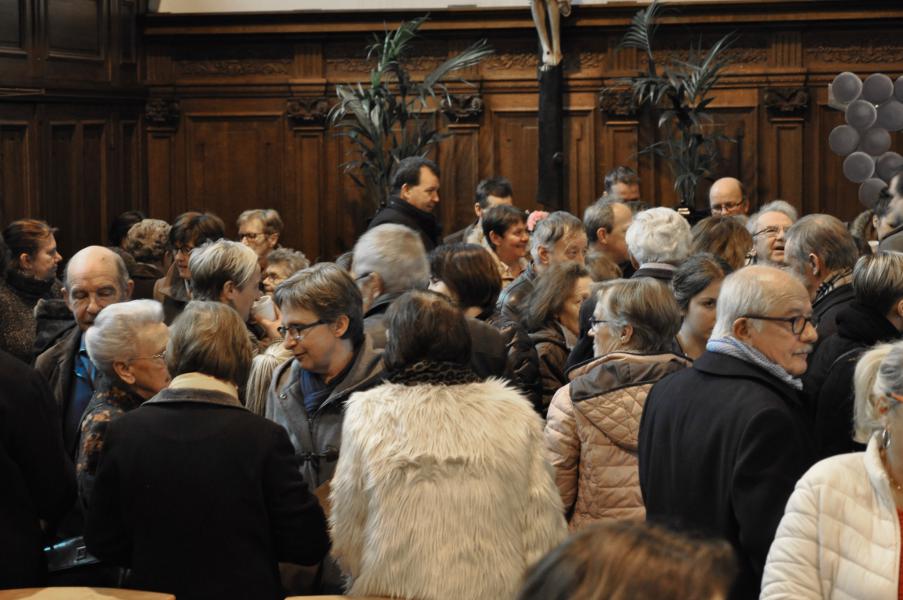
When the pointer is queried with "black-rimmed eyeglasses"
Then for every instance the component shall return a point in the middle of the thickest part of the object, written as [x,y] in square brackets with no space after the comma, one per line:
[797,324]
[299,332]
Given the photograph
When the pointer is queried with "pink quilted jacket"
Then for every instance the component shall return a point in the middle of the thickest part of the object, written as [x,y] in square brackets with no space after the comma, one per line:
[592,431]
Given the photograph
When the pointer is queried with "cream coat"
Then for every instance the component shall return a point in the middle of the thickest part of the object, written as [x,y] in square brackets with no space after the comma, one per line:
[442,492]
[840,535]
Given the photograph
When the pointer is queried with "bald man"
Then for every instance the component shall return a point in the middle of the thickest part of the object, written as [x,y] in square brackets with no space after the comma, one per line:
[728,198]
[95,278]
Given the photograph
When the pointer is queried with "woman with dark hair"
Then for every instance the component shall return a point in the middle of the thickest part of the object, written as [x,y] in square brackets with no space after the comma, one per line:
[31,269]
[632,561]
[552,318]
[195,495]
[466,275]
[189,230]
[505,230]
[442,489]
[696,285]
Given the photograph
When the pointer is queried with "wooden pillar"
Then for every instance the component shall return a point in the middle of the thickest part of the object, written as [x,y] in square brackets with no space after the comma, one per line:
[550,192]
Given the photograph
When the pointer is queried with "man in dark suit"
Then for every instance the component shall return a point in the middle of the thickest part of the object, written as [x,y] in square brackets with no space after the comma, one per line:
[723,443]
[413,200]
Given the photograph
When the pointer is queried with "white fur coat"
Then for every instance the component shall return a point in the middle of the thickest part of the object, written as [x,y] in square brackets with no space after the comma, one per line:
[442,492]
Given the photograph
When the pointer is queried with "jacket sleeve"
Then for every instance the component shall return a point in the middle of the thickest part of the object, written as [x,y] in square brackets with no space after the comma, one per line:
[523,364]
[544,524]
[563,446]
[771,457]
[551,371]
[296,519]
[348,516]
[106,533]
[791,571]
[834,412]
[90,443]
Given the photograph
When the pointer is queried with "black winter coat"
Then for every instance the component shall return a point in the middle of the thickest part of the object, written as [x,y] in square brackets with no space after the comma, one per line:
[552,349]
[721,447]
[825,311]
[201,498]
[828,382]
[402,213]
[522,361]
[38,477]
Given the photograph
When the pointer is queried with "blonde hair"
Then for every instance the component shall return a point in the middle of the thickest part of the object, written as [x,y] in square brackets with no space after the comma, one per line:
[877,372]
[261,376]
[210,338]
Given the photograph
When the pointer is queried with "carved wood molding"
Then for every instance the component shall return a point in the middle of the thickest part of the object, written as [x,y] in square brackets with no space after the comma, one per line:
[855,53]
[617,102]
[786,101]
[462,108]
[307,111]
[162,113]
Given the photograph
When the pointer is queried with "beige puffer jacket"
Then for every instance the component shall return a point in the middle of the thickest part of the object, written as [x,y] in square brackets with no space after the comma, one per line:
[592,430]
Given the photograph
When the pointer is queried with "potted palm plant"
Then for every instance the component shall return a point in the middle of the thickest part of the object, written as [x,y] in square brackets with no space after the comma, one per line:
[385,118]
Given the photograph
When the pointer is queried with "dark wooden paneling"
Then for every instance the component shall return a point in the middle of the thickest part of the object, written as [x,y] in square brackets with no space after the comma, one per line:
[14,171]
[11,19]
[75,26]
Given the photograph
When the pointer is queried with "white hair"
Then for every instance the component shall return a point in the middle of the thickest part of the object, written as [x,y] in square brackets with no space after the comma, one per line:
[878,371]
[778,206]
[659,235]
[753,290]
[114,335]
[215,263]
[396,253]
[556,226]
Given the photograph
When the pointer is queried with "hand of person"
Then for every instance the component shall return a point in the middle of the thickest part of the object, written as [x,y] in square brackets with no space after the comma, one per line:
[271,327]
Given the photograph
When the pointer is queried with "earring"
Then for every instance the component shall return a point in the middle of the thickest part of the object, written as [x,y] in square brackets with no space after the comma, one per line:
[885,439]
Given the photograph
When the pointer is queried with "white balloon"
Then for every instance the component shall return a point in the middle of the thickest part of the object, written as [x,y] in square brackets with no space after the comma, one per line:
[843,140]
[875,141]
[890,115]
[888,165]
[861,114]
[877,88]
[869,192]
[858,167]
[846,87]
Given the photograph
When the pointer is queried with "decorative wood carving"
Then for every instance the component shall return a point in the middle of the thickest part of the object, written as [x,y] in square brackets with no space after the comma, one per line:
[860,52]
[512,60]
[786,101]
[462,108]
[617,102]
[307,111]
[236,62]
[162,113]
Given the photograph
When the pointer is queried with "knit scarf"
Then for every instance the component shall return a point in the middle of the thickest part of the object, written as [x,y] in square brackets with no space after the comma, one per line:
[434,373]
[733,347]
[29,288]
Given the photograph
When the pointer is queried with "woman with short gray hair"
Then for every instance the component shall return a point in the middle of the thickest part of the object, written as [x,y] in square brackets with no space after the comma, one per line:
[192,465]
[840,534]
[127,345]
[593,422]
[658,240]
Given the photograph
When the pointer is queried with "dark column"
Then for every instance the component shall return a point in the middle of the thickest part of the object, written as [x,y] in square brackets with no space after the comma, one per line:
[551,139]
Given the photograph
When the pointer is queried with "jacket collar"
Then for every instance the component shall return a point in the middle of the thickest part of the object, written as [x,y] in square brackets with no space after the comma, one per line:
[200,381]
[839,295]
[427,221]
[622,369]
[197,396]
[727,366]
[874,466]
[381,304]
[862,323]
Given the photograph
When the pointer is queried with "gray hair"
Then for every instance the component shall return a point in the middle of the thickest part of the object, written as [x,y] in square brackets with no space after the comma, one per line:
[878,372]
[215,263]
[293,259]
[826,237]
[750,290]
[659,235]
[268,217]
[396,253]
[600,214]
[148,240]
[878,280]
[115,332]
[645,304]
[553,228]
[778,206]
[122,272]
[209,338]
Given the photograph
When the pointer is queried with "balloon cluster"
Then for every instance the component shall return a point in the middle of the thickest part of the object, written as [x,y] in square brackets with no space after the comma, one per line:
[873,109]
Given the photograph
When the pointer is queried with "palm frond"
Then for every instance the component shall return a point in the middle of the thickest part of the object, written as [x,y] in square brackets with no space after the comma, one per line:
[642,29]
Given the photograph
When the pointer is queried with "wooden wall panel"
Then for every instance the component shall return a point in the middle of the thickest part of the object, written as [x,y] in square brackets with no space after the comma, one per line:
[460,157]
[14,171]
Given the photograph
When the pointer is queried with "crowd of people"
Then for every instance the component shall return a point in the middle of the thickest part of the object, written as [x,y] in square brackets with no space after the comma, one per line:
[623,405]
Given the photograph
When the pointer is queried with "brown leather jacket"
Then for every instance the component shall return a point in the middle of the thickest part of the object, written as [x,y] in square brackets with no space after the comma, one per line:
[592,433]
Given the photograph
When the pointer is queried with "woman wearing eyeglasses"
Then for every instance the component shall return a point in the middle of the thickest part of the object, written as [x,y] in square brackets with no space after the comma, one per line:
[840,536]
[591,432]
[127,347]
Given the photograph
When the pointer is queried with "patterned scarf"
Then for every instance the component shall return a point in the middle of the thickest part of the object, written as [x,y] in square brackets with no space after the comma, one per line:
[734,347]
[434,373]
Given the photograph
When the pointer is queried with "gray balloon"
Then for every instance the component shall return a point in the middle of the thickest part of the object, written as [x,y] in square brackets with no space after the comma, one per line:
[888,165]
[877,88]
[846,87]
[858,167]
[875,141]
[861,114]
[843,140]
[869,192]
[898,88]
[890,115]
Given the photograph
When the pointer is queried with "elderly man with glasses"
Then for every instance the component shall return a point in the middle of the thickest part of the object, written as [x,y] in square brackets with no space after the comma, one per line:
[728,198]
[722,443]
[768,228]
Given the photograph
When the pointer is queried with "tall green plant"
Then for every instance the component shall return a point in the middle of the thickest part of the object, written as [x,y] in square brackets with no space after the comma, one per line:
[385,119]
[679,95]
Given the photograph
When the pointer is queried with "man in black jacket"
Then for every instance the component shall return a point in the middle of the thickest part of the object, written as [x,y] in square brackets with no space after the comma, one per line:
[413,200]
[876,315]
[723,443]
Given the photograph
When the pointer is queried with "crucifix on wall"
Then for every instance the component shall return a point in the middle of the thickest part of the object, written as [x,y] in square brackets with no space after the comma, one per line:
[547,18]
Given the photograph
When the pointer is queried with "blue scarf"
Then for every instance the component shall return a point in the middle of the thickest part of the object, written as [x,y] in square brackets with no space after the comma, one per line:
[734,347]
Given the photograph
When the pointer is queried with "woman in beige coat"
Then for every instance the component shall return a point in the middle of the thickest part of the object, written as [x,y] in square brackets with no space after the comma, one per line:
[593,422]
